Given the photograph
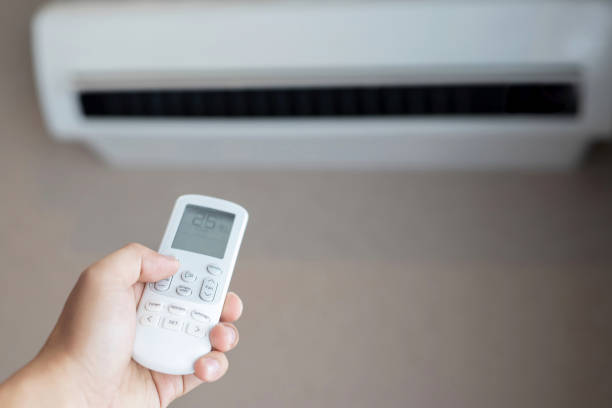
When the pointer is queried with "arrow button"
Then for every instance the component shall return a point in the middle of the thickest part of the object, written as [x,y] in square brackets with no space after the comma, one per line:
[195,330]
[149,320]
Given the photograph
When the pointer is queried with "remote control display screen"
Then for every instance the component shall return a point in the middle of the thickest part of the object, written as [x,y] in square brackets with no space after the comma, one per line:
[204,231]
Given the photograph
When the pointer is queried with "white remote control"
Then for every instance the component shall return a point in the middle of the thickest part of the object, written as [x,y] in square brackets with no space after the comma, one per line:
[175,315]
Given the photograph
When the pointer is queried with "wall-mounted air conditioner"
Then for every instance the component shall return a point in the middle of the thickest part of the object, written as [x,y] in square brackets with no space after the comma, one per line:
[328,84]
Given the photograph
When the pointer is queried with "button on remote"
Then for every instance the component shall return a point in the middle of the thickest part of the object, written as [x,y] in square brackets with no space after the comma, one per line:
[199,316]
[195,330]
[163,284]
[188,276]
[172,323]
[149,320]
[183,290]
[213,270]
[154,306]
[209,287]
[177,310]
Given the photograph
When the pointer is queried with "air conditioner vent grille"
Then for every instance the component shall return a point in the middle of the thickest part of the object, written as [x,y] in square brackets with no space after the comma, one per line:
[549,99]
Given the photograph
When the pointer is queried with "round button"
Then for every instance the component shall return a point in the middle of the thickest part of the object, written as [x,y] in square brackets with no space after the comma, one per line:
[214,270]
[163,284]
[188,276]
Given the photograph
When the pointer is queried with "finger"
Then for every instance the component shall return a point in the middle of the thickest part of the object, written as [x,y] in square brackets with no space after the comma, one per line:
[211,367]
[156,266]
[134,263]
[170,387]
[138,289]
[224,337]
[190,382]
[232,309]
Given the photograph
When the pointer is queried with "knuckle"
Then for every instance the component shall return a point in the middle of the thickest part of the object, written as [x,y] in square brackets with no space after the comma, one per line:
[133,246]
[89,275]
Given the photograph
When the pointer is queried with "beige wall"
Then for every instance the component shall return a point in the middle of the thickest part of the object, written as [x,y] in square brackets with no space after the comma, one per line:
[361,289]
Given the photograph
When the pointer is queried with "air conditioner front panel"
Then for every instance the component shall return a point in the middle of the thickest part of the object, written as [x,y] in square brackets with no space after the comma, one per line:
[187,37]
[89,47]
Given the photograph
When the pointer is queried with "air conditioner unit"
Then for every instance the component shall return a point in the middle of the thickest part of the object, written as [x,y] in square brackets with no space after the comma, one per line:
[383,84]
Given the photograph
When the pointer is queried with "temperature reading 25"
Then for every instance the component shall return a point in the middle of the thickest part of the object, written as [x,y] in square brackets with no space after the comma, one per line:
[206,221]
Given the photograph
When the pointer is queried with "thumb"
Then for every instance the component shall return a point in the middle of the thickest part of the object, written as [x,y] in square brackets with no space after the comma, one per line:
[134,263]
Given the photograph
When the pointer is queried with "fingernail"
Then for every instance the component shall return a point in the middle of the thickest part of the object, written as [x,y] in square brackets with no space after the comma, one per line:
[231,334]
[213,368]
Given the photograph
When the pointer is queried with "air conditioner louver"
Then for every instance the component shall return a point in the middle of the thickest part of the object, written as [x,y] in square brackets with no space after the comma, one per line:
[422,100]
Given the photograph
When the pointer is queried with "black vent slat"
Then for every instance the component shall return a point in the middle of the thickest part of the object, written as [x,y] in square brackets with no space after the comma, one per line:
[237,104]
[416,101]
[357,101]
[392,101]
[154,102]
[260,104]
[368,100]
[280,103]
[463,101]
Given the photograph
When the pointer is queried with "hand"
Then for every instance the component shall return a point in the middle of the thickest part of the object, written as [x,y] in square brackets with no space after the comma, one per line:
[86,360]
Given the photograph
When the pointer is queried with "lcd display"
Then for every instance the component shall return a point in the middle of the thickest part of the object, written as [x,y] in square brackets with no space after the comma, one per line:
[204,231]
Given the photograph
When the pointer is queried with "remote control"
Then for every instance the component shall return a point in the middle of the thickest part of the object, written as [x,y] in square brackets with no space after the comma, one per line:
[175,315]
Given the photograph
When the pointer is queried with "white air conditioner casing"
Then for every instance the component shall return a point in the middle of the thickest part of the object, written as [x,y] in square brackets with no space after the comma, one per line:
[228,45]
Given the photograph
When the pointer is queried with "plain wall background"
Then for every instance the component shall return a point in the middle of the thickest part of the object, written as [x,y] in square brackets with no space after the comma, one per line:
[361,289]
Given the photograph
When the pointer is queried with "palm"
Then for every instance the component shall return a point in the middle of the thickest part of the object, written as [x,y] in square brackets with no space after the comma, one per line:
[97,328]
[141,387]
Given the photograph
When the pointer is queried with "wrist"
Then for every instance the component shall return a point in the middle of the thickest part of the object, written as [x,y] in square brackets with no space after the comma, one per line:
[46,381]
